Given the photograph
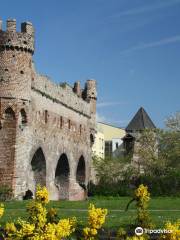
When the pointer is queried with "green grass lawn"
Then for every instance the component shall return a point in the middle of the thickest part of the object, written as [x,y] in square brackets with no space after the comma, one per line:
[161,210]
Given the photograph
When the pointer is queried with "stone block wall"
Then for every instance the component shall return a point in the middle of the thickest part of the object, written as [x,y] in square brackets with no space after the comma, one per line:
[46,129]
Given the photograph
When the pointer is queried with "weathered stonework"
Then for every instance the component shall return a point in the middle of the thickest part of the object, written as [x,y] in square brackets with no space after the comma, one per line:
[46,130]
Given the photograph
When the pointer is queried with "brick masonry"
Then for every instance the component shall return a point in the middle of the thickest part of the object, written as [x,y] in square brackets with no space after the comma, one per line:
[46,130]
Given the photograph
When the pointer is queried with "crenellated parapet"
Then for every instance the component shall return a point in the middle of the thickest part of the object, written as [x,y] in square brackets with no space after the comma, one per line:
[71,97]
[11,39]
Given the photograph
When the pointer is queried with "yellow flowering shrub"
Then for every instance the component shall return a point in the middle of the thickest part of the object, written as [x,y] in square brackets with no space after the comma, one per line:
[42,195]
[52,215]
[175,228]
[137,238]
[142,196]
[96,218]
[37,214]
[65,227]
[1,209]
[37,227]
[10,228]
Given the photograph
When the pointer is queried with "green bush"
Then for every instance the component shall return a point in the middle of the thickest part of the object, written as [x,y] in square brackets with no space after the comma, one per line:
[164,185]
[119,188]
[167,185]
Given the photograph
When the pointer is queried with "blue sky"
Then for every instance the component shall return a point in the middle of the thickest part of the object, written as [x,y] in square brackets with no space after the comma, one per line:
[131,47]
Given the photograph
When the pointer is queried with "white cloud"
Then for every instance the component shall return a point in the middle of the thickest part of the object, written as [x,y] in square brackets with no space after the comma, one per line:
[104,119]
[145,9]
[109,104]
[165,41]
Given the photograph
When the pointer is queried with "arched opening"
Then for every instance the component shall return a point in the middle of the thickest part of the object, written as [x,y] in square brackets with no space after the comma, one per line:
[92,139]
[9,118]
[23,117]
[81,172]
[9,114]
[38,164]
[62,177]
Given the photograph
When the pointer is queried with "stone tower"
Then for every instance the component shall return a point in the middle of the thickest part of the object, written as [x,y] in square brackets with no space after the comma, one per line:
[16,50]
[46,129]
[140,122]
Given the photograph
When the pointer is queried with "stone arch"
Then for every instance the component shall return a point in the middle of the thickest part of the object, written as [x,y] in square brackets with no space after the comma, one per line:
[9,118]
[9,114]
[23,117]
[38,164]
[81,171]
[62,175]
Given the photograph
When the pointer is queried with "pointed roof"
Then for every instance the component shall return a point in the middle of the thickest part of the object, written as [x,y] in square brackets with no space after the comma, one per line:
[140,121]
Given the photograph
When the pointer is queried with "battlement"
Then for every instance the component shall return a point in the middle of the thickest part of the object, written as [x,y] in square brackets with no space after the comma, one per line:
[63,94]
[11,39]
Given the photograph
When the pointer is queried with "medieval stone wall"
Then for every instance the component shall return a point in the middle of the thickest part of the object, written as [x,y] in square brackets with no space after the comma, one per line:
[46,130]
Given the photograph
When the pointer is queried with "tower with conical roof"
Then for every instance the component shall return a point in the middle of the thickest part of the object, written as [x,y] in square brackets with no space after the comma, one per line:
[140,122]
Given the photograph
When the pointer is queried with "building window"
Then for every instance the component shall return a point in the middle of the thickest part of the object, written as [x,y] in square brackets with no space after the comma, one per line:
[80,129]
[108,148]
[117,145]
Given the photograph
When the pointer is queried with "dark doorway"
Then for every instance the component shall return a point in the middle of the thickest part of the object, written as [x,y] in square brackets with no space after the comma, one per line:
[62,177]
[81,171]
[38,164]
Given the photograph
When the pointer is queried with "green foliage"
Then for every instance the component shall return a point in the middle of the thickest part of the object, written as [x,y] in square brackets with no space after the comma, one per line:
[121,234]
[169,149]
[162,185]
[111,170]
[5,193]
[159,150]
[119,188]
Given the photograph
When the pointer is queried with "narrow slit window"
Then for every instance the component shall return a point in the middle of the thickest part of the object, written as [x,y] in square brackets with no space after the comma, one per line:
[46,116]
[69,124]
[61,122]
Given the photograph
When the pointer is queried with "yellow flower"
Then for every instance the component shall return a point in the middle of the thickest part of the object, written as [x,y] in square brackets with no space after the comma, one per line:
[10,228]
[93,231]
[86,231]
[50,232]
[42,195]
[26,228]
[174,229]
[96,217]
[136,238]
[1,210]
[89,233]
[142,193]
[37,214]
[65,227]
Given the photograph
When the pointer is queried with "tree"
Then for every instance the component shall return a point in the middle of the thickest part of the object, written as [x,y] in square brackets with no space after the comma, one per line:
[169,146]
[173,122]
[159,150]
[110,170]
[147,152]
